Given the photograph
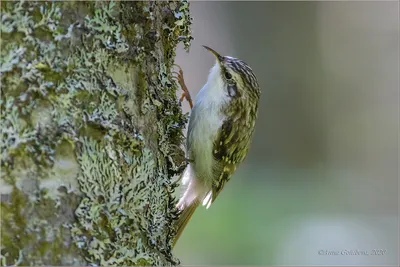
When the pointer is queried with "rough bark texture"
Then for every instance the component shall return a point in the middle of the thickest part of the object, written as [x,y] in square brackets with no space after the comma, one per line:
[90,131]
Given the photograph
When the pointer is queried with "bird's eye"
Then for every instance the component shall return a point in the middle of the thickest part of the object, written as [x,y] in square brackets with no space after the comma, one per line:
[228,75]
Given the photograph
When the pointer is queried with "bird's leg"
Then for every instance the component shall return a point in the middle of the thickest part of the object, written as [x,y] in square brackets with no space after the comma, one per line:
[184,164]
[181,169]
[181,81]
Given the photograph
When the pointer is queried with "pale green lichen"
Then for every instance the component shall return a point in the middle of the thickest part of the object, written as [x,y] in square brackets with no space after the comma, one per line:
[90,121]
[113,213]
[14,131]
[106,28]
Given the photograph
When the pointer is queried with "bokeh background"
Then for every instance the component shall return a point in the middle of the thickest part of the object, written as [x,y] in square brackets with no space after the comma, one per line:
[322,173]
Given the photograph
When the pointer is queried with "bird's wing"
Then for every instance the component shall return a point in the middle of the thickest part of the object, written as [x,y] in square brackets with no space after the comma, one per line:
[229,149]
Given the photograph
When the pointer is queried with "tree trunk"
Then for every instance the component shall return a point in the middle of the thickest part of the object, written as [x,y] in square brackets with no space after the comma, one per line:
[90,131]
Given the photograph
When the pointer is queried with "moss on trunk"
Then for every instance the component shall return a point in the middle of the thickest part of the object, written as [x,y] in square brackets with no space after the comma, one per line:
[90,131]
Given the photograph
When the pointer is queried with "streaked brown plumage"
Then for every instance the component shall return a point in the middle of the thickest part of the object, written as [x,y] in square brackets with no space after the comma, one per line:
[219,134]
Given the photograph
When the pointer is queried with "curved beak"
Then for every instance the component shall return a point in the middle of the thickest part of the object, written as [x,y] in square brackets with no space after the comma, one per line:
[218,56]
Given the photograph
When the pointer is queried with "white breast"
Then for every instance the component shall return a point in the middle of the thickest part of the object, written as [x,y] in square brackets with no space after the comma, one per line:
[207,121]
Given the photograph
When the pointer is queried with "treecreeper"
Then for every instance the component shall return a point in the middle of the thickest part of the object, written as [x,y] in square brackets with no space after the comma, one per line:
[219,134]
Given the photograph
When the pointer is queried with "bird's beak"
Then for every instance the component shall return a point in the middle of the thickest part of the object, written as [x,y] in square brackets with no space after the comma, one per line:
[219,58]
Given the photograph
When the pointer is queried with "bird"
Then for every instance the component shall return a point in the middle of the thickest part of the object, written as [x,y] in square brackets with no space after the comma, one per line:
[220,131]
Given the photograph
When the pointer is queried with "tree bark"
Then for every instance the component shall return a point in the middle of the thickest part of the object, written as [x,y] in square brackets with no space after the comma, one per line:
[91,130]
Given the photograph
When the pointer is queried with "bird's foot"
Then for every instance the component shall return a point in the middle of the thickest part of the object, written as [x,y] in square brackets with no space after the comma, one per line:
[188,160]
[183,165]
[181,82]
[181,170]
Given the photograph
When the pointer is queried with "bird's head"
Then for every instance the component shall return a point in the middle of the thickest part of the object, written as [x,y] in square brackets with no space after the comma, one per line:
[235,75]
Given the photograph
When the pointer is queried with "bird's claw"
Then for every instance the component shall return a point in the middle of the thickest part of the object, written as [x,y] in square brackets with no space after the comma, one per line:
[181,81]
[188,160]
[181,169]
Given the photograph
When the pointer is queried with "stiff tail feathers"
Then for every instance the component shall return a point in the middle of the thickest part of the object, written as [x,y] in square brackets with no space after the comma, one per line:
[194,192]
[184,218]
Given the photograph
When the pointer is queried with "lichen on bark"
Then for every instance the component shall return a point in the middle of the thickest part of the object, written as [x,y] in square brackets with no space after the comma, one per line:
[90,131]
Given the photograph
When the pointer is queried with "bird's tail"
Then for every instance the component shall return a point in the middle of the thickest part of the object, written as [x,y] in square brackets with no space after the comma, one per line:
[184,218]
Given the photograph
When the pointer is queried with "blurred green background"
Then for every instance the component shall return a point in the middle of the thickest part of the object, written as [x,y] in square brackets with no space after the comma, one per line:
[322,173]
